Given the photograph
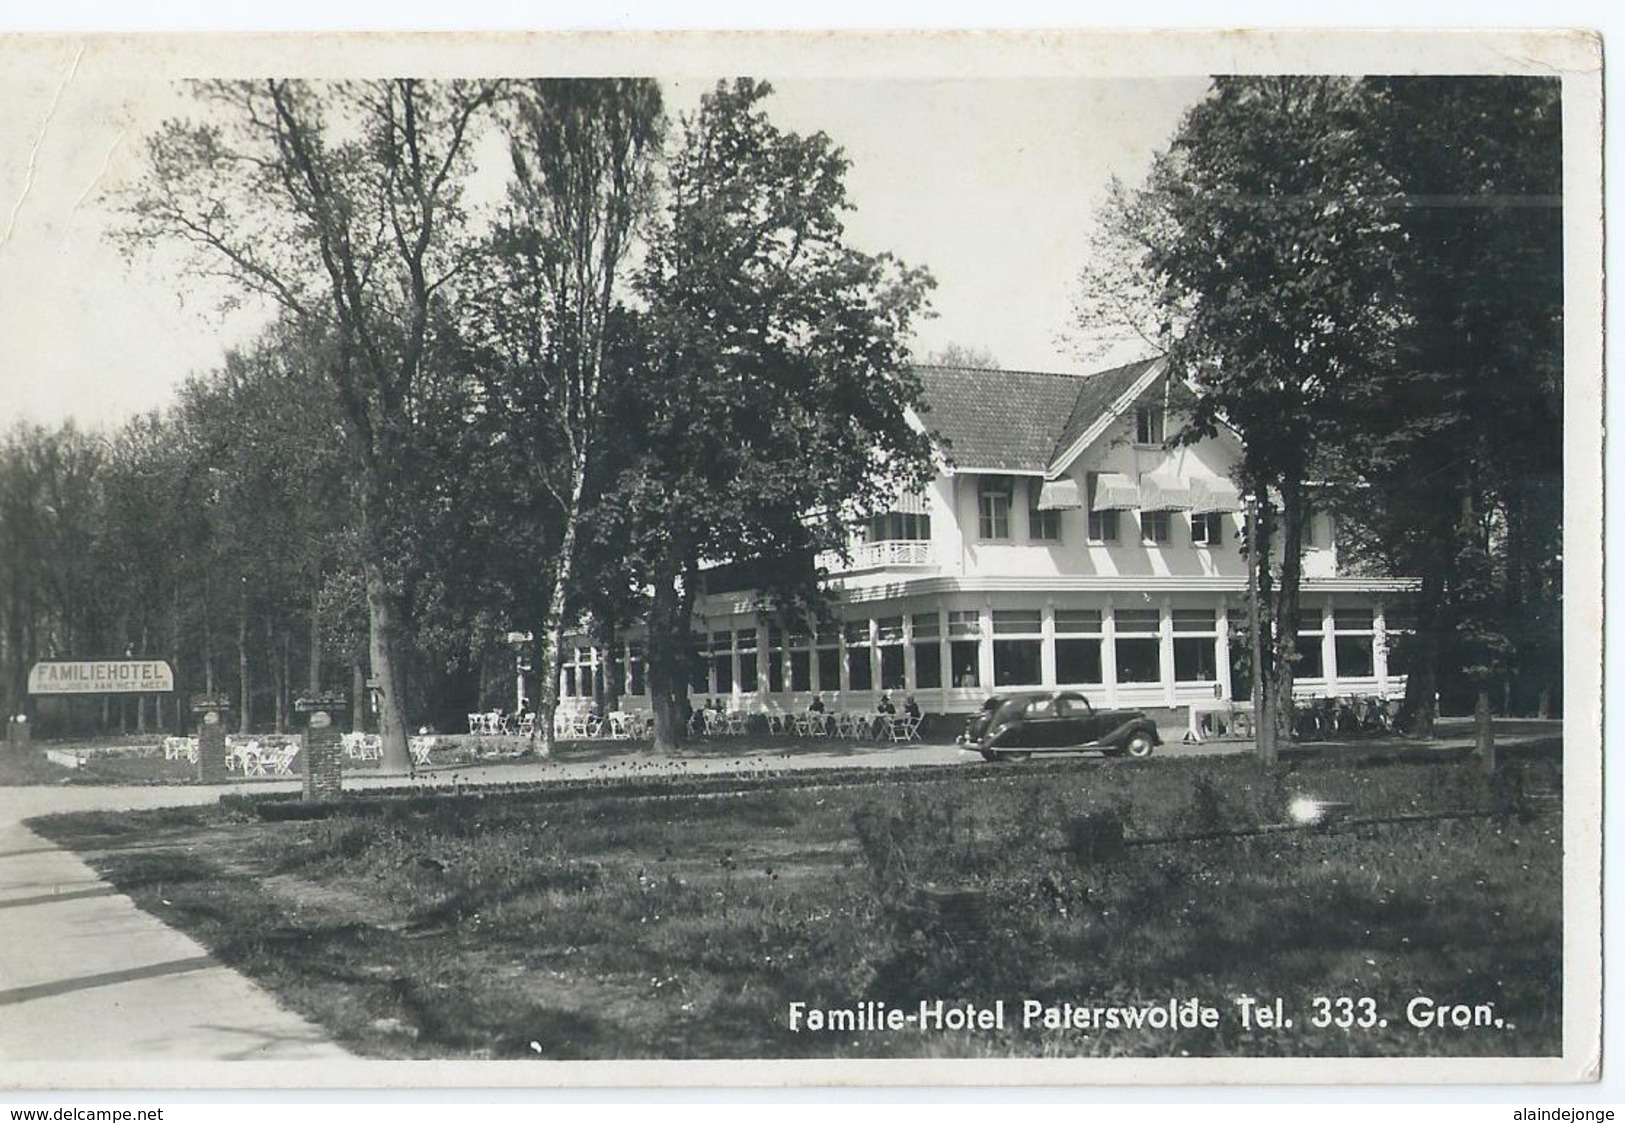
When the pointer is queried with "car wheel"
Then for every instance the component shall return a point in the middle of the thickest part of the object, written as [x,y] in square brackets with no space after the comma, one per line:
[1015,757]
[989,754]
[1139,746]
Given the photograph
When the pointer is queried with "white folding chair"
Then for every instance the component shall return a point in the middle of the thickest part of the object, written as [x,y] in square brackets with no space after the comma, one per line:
[253,762]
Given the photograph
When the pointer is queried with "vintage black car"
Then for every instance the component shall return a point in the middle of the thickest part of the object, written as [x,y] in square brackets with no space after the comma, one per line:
[1014,726]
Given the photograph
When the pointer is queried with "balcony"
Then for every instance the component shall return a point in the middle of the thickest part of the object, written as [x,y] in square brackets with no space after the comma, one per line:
[895,553]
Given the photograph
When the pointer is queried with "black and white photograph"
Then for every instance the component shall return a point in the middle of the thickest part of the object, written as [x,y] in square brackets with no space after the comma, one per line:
[873,558]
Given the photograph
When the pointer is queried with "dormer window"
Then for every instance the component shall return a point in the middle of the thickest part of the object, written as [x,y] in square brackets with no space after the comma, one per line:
[1148,425]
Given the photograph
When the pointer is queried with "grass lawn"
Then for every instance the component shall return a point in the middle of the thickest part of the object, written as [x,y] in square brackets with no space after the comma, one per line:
[673,919]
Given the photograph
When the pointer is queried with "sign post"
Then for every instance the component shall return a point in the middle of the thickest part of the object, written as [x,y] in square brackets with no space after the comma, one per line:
[211,737]
[324,760]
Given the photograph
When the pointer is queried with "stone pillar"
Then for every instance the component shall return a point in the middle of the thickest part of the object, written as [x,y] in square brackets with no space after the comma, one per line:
[211,748]
[324,759]
[18,731]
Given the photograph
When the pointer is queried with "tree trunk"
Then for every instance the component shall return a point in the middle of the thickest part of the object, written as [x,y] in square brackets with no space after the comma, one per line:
[175,653]
[1286,602]
[245,695]
[141,699]
[281,674]
[553,627]
[1417,712]
[313,673]
[358,696]
[1265,726]
[667,683]
[208,637]
[609,640]
[1543,705]
[1484,730]
[397,758]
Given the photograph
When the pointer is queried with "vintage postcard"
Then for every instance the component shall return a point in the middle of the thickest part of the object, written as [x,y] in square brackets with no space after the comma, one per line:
[533,560]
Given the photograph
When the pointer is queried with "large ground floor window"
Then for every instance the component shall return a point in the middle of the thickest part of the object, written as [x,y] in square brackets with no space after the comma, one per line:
[978,649]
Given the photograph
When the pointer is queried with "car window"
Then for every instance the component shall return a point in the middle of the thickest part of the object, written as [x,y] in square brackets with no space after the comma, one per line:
[1041,707]
[1077,703]
[1063,707]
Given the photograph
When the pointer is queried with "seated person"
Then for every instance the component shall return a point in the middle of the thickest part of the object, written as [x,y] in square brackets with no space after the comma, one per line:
[911,708]
[885,707]
[816,706]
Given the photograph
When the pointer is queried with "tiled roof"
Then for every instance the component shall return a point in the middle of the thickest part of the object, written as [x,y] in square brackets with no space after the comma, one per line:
[1016,420]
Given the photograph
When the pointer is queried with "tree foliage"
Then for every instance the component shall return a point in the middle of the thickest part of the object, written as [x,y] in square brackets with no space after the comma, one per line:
[769,371]
[343,204]
[1362,279]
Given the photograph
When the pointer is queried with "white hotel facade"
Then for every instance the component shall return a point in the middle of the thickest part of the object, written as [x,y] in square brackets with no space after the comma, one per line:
[1060,544]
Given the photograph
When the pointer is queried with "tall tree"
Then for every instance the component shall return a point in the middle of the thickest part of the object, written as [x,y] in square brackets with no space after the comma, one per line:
[771,372]
[584,153]
[1275,259]
[343,204]
[1460,479]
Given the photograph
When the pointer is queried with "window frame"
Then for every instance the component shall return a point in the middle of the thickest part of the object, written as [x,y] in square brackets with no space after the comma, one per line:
[1150,426]
[1150,519]
[1212,524]
[1042,526]
[992,493]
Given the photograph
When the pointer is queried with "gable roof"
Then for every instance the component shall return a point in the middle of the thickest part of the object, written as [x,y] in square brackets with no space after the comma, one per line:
[1095,397]
[1017,421]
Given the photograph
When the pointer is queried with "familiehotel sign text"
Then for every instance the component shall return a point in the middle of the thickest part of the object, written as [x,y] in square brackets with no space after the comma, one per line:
[120,676]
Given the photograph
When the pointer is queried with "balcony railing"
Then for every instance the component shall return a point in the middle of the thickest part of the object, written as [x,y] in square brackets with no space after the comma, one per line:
[892,553]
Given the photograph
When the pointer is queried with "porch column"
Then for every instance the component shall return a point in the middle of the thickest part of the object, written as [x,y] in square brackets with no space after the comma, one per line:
[984,646]
[1165,649]
[1108,650]
[1328,648]
[1046,649]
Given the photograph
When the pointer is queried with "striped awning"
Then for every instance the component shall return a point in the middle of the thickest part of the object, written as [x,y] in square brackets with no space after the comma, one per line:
[910,503]
[1059,495]
[1211,495]
[1164,493]
[1114,492]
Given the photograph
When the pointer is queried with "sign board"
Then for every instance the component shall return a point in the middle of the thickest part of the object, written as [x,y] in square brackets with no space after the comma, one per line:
[210,703]
[102,676]
[321,703]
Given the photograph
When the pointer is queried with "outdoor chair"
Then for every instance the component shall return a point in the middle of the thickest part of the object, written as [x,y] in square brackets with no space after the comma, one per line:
[735,722]
[421,747]
[904,728]
[248,753]
[620,726]
[527,725]
[279,761]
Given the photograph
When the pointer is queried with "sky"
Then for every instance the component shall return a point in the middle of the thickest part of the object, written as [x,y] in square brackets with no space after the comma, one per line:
[989,183]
